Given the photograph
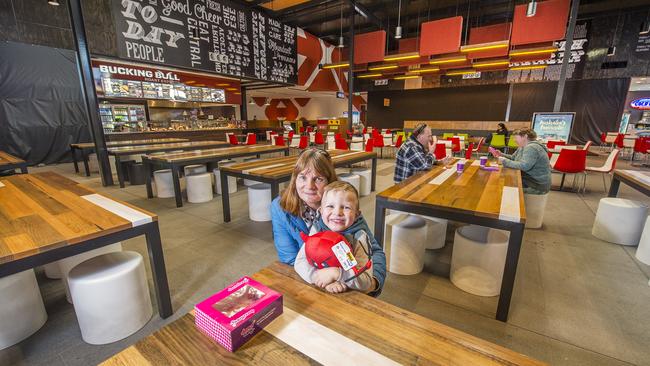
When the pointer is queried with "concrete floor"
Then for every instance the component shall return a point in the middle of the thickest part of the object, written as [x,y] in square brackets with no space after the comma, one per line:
[577,300]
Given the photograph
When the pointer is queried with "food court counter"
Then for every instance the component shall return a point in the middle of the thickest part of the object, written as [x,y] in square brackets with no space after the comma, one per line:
[203,134]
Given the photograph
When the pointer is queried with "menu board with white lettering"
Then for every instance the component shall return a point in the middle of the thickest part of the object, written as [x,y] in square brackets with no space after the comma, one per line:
[210,35]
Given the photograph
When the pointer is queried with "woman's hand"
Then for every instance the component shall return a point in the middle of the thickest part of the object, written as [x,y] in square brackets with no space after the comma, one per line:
[336,287]
[325,276]
[496,153]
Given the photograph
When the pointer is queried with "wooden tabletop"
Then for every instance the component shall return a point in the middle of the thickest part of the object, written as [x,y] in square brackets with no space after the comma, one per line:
[637,179]
[276,168]
[90,145]
[44,211]
[492,194]
[216,153]
[8,159]
[143,149]
[320,328]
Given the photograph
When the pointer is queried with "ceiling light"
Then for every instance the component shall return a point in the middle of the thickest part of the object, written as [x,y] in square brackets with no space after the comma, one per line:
[335,66]
[341,42]
[267,102]
[447,60]
[485,46]
[223,84]
[645,28]
[428,69]
[405,77]
[54,2]
[398,32]
[403,56]
[232,89]
[492,63]
[531,9]
[539,51]
[462,72]
[382,67]
[611,51]
[341,39]
[529,67]
[638,82]
[398,29]
[363,76]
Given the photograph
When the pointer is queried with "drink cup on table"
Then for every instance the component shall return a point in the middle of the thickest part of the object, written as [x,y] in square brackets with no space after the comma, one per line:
[483,160]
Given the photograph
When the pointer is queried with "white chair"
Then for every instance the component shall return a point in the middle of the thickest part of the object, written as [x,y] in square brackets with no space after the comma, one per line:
[553,160]
[331,142]
[366,137]
[353,179]
[232,181]
[268,135]
[93,163]
[111,296]
[248,182]
[365,180]
[195,169]
[312,137]
[643,251]
[199,188]
[535,206]
[478,259]
[436,232]
[67,264]
[405,237]
[295,141]
[164,183]
[249,138]
[356,144]
[259,202]
[228,136]
[607,168]
[22,312]
[620,221]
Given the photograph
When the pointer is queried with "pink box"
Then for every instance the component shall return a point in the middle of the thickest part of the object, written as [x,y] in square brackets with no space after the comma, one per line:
[235,314]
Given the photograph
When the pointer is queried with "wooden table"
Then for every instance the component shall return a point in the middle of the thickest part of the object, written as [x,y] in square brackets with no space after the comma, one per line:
[637,179]
[277,170]
[10,162]
[176,161]
[320,328]
[119,152]
[45,217]
[86,147]
[488,198]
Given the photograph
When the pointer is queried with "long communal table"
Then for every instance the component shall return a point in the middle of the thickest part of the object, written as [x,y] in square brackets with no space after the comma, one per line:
[317,328]
[86,147]
[493,199]
[176,162]
[10,162]
[119,152]
[277,170]
[45,217]
[637,179]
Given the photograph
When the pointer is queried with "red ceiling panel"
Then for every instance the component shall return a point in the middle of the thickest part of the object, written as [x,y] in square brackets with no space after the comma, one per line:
[369,47]
[441,36]
[487,34]
[407,45]
[548,24]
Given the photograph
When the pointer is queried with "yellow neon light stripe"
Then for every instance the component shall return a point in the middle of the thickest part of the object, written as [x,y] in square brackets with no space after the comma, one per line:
[406,77]
[334,66]
[535,67]
[483,48]
[447,61]
[368,75]
[401,57]
[532,52]
[382,67]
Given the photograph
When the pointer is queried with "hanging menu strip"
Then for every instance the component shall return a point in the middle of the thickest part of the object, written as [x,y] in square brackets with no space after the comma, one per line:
[208,35]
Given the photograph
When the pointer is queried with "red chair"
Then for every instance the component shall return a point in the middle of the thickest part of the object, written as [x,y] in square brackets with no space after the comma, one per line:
[641,145]
[365,129]
[251,139]
[338,136]
[619,141]
[379,142]
[290,136]
[340,144]
[279,141]
[440,151]
[318,138]
[301,130]
[399,141]
[571,161]
[603,139]
[370,145]
[455,144]
[233,139]
[304,142]
[468,152]
[478,147]
[349,133]
[607,168]
[388,131]
[552,144]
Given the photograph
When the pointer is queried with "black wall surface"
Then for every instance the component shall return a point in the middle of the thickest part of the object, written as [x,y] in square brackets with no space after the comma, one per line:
[41,106]
[598,104]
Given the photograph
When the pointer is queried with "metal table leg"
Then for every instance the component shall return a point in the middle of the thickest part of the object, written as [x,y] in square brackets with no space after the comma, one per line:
[613,187]
[84,154]
[148,167]
[73,151]
[120,173]
[177,186]
[158,271]
[225,196]
[507,284]
[373,179]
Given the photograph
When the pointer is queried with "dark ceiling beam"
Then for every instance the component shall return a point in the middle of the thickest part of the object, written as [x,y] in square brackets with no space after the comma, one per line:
[301,9]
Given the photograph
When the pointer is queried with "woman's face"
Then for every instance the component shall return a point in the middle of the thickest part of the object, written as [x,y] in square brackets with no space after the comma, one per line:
[310,185]
[521,140]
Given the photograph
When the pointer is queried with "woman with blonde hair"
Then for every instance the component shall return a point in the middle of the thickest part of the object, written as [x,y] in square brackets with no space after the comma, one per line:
[298,208]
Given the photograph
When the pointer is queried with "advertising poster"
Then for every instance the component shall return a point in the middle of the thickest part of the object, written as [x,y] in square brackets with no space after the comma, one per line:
[553,126]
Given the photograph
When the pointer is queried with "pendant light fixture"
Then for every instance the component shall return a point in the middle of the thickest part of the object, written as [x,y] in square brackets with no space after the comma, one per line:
[611,50]
[54,2]
[531,9]
[341,39]
[251,102]
[267,102]
[398,29]
[645,26]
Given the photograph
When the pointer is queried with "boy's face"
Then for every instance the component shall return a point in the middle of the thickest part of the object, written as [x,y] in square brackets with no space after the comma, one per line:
[339,210]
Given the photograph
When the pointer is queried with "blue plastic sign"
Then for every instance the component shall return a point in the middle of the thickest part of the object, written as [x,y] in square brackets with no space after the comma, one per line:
[642,104]
[553,126]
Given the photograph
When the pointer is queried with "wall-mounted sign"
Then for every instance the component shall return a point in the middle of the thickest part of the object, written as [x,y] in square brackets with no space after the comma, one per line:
[386,102]
[381,82]
[474,75]
[212,35]
[641,104]
[553,126]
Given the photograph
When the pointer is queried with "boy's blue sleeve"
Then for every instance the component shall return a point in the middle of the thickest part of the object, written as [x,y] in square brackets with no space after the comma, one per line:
[285,244]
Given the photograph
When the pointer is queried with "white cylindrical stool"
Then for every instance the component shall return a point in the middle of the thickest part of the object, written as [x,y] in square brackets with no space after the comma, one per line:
[535,207]
[199,188]
[619,221]
[232,181]
[478,259]
[66,264]
[93,163]
[111,296]
[404,236]
[164,184]
[353,179]
[21,306]
[248,182]
[643,251]
[53,271]
[365,180]
[436,232]
[259,202]
[195,169]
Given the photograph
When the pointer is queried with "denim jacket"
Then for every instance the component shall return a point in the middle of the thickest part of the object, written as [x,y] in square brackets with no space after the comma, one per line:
[286,237]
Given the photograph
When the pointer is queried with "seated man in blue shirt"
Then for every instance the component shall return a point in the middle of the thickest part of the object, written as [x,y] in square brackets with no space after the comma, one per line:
[416,154]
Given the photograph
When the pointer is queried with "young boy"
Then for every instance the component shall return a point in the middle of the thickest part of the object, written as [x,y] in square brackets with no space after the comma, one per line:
[340,213]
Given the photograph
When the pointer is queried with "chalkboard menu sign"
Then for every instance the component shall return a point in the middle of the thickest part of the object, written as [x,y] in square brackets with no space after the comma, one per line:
[209,35]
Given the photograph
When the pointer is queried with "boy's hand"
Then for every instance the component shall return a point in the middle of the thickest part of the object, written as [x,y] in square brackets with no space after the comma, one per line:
[336,287]
[325,276]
